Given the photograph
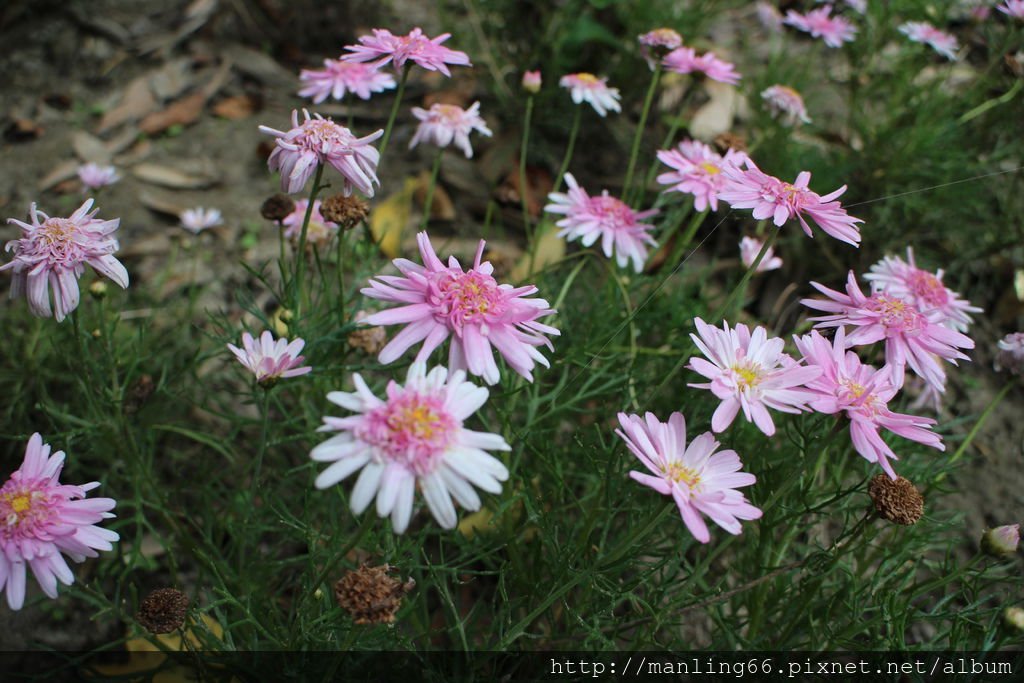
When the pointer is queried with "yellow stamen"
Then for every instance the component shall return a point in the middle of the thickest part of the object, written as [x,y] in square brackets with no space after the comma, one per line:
[682,475]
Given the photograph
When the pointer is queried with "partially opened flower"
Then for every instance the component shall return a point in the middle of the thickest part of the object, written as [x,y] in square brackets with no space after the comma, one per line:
[587,218]
[41,520]
[786,102]
[769,197]
[904,279]
[412,439]
[820,24]
[271,360]
[586,87]
[319,141]
[383,46]
[94,176]
[338,78]
[922,32]
[1012,8]
[438,301]
[697,171]
[862,394]
[52,253]
[531,82]
[700,481]
[911,336]
[445,124]
[654,45]
[769,16]
[318,232]
[198,219]
[750,247]
[749,372]
[684,60]
[1010,357]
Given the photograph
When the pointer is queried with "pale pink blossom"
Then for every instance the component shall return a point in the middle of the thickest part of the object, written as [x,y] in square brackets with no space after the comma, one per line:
[621,229]
[94,176]
[439,301]
[748,372]
[1012,8]
[904,279]
[655,44]
[698,171]
[912,337]
[1010,356]
[383,47]
[787,102]
[51,254]
[318,232]
[750,247]
[769,16]
[922,32]
[270,360]
[41,520]
[531,82]
[446,124]
[769,197]
[862,393]
[1001,541]
[684,60]
[338,78]
[820,24]
[198,219]
[586,87]
[319,141]
[413,439]
[700,481]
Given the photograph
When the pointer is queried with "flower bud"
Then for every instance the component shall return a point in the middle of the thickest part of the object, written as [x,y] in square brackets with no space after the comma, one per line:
[531,82]
[1001,541]
[98,289]
[1013,617]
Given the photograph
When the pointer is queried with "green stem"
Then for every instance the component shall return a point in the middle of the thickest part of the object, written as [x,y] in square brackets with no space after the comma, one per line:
[429,200]
[981,421]
[300,255]
[573,133]
[394,109]
[653,170]
[341,276]
[687,237]
[522,169]
[638,136]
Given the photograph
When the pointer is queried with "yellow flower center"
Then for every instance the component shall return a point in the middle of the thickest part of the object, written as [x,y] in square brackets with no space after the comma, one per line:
[747,377]
[710,168]
[20,503]
[586,77]
[415,419]
[681,474]
[57,232]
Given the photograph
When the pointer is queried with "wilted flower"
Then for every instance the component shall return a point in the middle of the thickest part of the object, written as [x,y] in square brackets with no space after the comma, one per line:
[470,306]
[94,177]
[1001,541]
[198,219]
[42,518]
[339,77]
[620,227]
[922,32]
[444,124]
[684,60]
[319,141]
[277,207]
[699,480]
[1011,354]
[53,253]
[270,360]
[751,372]
[781,99]
[586,87]
[770,197]
[163,610]
[318,232]
[369,339]
[531,82]
[383,46]
[896,500]
[414,438]
[1012,8]
[698,171]
[750,247]
[371,595]
[820,24]
[347,212]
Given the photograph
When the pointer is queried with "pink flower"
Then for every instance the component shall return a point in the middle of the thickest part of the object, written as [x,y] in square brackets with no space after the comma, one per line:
[198,219]
[1012,8]
[620,227]
[319,231]
[833,30]
[905,280]
[684,60]
[862,393]
[1011,354]
[271,360]
[781,99]
[1002,540]
[748,371]
[699,480]
[321,141]
[339,77]
[655,44]
[531,82]
[42,520]
[750,247]
[922,32]
[770,197]
[53,253]
[911,336]
[769,16]
[413,439]
[385,47]
[444,124]
[585,87]
[94,177]
[698,171]
[471,306]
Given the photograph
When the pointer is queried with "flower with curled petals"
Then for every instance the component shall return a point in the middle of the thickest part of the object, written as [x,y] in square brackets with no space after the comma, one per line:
[438,301]
[940,41]
[94,176]
[1012,8]
[338,78]
[684,60]
[654,45]
[271,360]
[786,102]
[700,481]
[445,124]
[198,219]
[820,24]
[1010,354]
[319,231]
[697,170]
[383,46]
[750,247]
[412,439]
[586,87]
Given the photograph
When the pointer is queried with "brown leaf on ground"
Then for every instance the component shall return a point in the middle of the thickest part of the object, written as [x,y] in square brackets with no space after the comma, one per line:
[173,178]
[390,216]
[237,107]
[63,171]
[181,112]
[538,184]
[90,148]
[441,206]
[136,102]
[161,203]
[22,130]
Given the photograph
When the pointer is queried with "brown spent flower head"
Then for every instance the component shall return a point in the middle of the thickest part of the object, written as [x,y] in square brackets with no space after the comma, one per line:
[347,212]
[898,501]
[371,595]
[370,340]
[277,207]
[163,610]
[726,141]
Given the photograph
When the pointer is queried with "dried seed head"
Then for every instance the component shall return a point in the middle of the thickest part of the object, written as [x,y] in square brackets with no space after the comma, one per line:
[277,207]
[370,340]
[898,501]
[371,595]
[726,141]
[163,610]
[347,212]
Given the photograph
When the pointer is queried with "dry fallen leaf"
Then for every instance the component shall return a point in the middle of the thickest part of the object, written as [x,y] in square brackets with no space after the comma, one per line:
[136,102]
[237,107]
[21,129]
[63,171]
[389,217]
[715,117]
[145,658]
[441,206]
[173,178]
[181,112]
[90,148]
[549,249]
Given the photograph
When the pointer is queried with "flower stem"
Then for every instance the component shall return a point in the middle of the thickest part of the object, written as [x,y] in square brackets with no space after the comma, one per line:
[981,421]
[527,227]
[300,255]
[569,149]
[686,238]
[653,170]
[638,136]
[429,200]
[394,108]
